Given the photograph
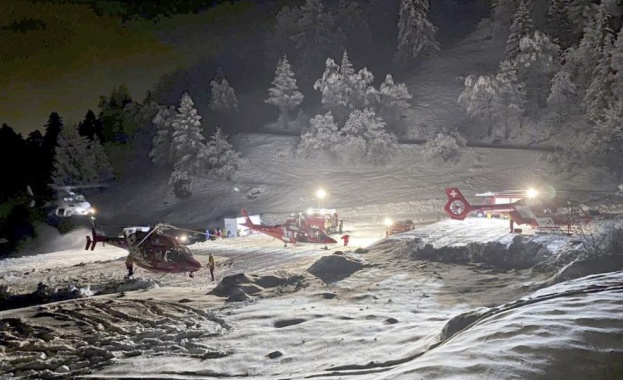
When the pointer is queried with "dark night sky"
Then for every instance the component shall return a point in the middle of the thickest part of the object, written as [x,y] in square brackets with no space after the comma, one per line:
[62,57]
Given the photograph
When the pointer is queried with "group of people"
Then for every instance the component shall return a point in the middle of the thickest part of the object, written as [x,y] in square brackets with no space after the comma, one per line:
[218,233]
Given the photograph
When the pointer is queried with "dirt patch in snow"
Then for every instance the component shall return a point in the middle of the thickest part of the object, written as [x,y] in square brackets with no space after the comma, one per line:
[520,254]
[240,287]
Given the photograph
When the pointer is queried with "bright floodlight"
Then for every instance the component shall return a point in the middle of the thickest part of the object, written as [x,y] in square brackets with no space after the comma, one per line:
[532,193]
[388,222]
[321,194]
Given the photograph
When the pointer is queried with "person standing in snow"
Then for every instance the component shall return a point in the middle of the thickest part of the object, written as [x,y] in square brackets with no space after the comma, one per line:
[345,238]
[340,226]
[211,265]
[129,263]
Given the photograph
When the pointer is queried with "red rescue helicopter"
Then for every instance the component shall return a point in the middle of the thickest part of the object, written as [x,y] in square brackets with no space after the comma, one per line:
[294,230]
[151,248]
[531,209]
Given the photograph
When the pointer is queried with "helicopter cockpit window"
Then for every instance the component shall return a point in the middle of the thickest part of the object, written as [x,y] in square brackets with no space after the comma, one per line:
[178,254]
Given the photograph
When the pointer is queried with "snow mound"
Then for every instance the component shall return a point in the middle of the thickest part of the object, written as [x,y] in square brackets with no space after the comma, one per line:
[588,266]
[334,268]
[558,330]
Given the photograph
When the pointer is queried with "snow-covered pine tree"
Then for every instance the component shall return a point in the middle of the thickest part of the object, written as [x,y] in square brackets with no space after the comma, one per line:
[364,137]
[317,36]
[223,160]
[537,60]
[522,26]
[74,163]
[558,26]
[416,34]
[562,95]
[596,35]
[394,101]
[161,144]
[606,142]
[322,137]
[188,152]
[103,166]
[284,94]
[223,98]
[182,183]
[365,96]
[617,65]
[329,87]
[511,95]
[580,14]
[347,83]
[599,92]
[480,98]
[445,147]
[381,146]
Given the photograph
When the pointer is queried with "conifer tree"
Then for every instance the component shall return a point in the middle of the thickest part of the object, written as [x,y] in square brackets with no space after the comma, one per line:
[617,65]
[562,94]
[161,143]
[597,34]
[520,28]
[52,131]
[329,87]
[278,42]
[188,152]
[317,35]
[394,101]
[284,94]
[480,98]
[379,145]
[511,95]
[111,112]
[599,92]
[90,127]
[103,166]
[223,160]
[580,14]
[606,142]
[416,34]
[223,97]
[537,60]
[73,162]
[558,26]
[322,137]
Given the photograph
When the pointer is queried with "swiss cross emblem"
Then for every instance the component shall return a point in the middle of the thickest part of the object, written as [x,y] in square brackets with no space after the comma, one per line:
[453,193]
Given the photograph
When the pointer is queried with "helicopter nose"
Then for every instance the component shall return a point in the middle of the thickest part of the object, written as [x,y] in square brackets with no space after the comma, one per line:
[193,265]
[330,240]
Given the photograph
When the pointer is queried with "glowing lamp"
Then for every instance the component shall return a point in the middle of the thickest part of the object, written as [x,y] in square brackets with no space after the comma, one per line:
[321,193]
[532,193]
[388,222]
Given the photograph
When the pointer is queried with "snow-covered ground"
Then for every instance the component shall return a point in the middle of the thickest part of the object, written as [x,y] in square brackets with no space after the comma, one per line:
[449,300]
[306,312]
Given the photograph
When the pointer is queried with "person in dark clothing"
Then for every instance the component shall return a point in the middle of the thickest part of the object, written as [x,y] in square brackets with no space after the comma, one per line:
[211,265]
[129,263]
[340,227]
